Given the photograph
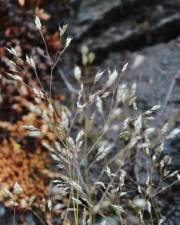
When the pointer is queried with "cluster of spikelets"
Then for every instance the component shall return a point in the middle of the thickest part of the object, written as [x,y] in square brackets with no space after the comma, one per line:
[95,174]
[97,158]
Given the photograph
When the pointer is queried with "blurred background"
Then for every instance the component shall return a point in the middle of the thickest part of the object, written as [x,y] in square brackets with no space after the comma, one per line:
[105,34]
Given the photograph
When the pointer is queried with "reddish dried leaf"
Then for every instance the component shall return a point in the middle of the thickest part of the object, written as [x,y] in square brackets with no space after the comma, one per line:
[2,51]
[42,14]
[54,41]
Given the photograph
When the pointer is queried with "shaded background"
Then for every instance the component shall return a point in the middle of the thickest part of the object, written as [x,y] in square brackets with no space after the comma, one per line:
[142,32]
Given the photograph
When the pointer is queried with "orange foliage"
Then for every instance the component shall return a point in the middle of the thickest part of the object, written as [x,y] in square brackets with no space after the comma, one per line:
[29,170]
[23,158]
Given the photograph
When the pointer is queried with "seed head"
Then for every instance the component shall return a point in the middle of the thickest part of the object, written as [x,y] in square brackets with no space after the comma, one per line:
[37,23]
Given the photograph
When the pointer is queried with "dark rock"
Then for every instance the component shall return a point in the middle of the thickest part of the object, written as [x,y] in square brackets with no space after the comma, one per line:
[153,69]
[5,216]
[131,36]
[89,13]
[30,219]
[92,14]
[2,210]
[108,221]
[171,204]
[110,27]
[173,213]
[107,26]
[171,147]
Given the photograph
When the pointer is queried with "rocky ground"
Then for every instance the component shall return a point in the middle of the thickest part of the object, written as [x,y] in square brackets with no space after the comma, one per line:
[144,33]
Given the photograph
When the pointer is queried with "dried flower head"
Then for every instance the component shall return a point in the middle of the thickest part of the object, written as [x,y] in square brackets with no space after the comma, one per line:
[63,30]
[77,73]
[112,77]
[37,23]
[68,41]
[17,189]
